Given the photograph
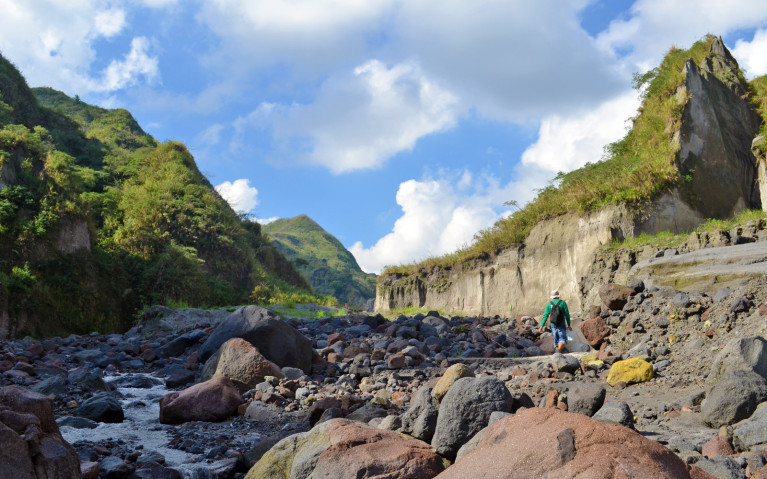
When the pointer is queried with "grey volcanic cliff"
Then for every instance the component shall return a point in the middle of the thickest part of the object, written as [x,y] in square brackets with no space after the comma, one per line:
[718,127]
[720,179]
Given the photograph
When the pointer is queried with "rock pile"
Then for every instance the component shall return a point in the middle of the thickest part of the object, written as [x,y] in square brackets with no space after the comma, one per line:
[688,369]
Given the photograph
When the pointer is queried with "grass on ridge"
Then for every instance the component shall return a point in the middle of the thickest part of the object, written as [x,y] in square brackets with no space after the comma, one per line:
[634,169]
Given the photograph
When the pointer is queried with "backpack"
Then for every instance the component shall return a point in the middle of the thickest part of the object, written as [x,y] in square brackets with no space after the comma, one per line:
[556,317]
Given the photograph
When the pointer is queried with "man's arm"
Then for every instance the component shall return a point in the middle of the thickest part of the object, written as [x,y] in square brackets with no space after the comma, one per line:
[546,313]
[567,313]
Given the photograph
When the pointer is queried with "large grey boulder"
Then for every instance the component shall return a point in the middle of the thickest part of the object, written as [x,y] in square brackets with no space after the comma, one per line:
[722,467]
[277,340]
[177,346]
[564,363]
[583,398]
[101,408]
[466,409]
[420,420]
[752,431]
[616,412]
[733,398]
[747,354]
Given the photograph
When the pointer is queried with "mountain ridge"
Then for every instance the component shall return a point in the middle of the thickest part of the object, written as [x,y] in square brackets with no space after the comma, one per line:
[323,260]
[98,220]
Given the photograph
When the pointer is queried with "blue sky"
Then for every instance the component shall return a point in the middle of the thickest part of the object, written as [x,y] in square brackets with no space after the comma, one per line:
[400,126]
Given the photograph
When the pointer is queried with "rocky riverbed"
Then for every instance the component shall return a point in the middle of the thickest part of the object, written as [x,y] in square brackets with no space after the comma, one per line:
[216,394]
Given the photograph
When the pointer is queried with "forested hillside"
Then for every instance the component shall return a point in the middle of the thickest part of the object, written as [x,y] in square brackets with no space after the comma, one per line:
[328,266]
[98,220]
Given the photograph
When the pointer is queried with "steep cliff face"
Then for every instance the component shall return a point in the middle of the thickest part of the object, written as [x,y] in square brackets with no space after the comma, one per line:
[715,160]
[718,177]
[556,255]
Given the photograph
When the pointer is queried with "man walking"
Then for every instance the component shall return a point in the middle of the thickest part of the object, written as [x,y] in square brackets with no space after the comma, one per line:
[559,318]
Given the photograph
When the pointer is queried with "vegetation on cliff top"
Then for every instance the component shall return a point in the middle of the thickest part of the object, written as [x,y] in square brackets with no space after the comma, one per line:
[325,263]
[634,169]
[98,220]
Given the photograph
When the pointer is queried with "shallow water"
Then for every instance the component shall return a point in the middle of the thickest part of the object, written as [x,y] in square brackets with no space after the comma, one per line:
[141,427]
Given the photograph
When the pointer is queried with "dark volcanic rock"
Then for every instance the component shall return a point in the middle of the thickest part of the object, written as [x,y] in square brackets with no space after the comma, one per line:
[31,444]
[466,409]
[101,408]
[277,340]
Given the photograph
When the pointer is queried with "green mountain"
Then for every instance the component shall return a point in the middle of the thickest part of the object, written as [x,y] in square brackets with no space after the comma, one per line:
[99,220]
[322,260]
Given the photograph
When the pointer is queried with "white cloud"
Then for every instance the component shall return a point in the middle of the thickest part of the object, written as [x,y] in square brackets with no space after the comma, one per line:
[436,219]
[239,194]
[108,23]
[654,26]
[137,63]
[266,221]
[306,35]
[359,120]
[569,142]
[751,55]
[52,43]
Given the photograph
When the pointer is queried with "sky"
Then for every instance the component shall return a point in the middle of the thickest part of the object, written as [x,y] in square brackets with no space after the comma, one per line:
[400,126]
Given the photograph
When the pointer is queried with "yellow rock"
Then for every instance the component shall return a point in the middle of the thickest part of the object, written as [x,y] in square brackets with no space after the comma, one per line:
[379,401]
[630,371]
[588,358]
[452,374]
[672,338]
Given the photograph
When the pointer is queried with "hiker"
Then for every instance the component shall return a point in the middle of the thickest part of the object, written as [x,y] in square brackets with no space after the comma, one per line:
[559,319]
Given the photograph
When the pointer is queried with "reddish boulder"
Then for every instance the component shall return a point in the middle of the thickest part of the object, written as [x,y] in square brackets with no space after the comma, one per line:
[542,442]
[615,296]
[239,361]
[717,446]
[396,361]
[32,445]
[334,338]
[595,331]
[213,400]
[344,449]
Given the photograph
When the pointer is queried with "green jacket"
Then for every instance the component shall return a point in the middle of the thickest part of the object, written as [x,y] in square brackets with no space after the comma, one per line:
[562,305]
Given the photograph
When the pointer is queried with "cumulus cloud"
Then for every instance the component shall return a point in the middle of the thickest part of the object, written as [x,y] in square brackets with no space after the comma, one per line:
[376,113]
[52,43]
[239,194]
[751,55]
[137,63]
[436,219]
[306,35]
[569,142]
[653,26]
[358,120]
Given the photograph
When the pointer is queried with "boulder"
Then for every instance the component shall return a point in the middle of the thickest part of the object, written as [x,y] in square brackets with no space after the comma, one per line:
[178,346]
[749,354]
[242,363]
[595,331]
[213,400]
[716,446]
[615,412]
[551,443]
[722,467]
[275,339]
[420,420]
[583,398]
[344,449]
[733,398]
[752,431]
[630,371]
[452,374]
[101,408]
[564,363]
[466,409]
[614,296]
[32,445]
